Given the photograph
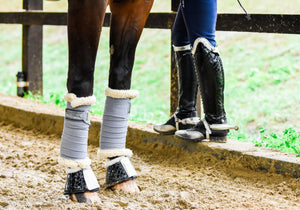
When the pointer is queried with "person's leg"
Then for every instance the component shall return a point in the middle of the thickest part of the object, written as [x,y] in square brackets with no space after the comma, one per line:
[200,18]
[85,19]
[186,115]
[127,22]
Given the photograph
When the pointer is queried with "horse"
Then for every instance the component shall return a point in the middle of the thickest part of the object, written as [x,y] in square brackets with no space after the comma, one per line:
[85,22]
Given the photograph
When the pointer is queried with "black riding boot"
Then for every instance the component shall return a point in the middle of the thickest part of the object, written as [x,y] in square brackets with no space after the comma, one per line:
[186,115]
[210,76]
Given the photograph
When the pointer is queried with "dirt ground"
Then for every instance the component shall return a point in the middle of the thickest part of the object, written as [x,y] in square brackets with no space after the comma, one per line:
[169,179]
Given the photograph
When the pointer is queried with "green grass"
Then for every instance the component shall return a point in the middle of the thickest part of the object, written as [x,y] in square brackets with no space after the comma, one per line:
[262,73]
[287,141]
[262,83]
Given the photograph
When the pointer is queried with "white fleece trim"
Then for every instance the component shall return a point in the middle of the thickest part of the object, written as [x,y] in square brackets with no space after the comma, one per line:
[206,43]
[182,48]
[121,93]
[74,164]
[79,101]
[107,153]
[72,170]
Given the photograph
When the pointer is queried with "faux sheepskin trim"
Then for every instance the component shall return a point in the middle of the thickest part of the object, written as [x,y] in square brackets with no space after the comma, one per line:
[107,153]
[206,43]
[74,164]
[75,101]
[121,93]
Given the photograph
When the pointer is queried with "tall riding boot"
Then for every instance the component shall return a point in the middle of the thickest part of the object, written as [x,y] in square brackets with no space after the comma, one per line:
[210,76]
[186,115]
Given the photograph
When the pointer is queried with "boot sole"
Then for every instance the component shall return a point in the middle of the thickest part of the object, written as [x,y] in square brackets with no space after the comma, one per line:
[165,133]
[191,140]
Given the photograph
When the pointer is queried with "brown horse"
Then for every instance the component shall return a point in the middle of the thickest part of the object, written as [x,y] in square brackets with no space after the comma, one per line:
[85,21]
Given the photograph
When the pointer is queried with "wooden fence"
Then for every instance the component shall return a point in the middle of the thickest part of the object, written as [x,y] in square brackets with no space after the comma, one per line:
[33,18]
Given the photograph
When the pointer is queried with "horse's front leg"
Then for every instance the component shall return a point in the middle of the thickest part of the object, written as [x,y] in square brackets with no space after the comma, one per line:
[85,19]
[127,22]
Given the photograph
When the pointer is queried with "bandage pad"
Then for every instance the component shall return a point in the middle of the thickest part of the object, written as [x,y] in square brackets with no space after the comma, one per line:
[119,170]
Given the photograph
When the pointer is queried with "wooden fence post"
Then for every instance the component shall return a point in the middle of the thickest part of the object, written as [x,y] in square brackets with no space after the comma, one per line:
[32,50]
[173,76]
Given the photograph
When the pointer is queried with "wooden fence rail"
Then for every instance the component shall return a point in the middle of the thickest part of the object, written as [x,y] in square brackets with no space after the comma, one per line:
[266,23]
[33,19]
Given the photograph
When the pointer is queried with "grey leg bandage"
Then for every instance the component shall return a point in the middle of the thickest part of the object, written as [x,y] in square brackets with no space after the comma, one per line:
[113,136]
[115,122]
[73,148]
[75,132]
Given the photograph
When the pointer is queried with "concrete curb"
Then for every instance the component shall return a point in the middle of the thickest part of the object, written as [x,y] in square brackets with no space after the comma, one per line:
[49,119]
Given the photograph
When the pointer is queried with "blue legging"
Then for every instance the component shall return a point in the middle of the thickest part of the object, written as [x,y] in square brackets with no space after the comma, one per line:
[195,18]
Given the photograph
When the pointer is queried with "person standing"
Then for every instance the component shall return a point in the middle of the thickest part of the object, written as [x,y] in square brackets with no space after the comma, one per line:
[197,56]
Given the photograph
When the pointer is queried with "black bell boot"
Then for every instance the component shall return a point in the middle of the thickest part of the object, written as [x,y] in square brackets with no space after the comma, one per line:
[210,74]
[186,115]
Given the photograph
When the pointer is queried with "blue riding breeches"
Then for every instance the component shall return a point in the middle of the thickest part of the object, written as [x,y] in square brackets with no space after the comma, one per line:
[195,18]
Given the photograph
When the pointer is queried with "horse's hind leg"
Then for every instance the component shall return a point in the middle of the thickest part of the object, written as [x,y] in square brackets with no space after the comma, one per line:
[127,22]
[85,19]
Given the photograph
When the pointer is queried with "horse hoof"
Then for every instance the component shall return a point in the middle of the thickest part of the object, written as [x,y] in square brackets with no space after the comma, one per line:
[87,197]
[127,186]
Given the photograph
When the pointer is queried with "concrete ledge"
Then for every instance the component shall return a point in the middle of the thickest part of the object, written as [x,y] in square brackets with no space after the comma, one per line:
[49,119]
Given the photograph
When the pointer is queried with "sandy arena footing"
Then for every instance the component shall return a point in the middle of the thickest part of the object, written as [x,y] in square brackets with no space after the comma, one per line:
[172,174]
[49,120]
